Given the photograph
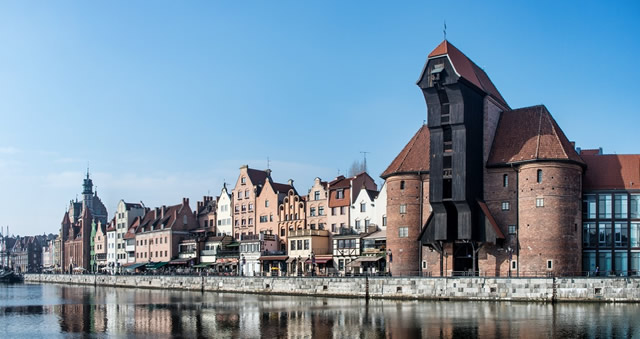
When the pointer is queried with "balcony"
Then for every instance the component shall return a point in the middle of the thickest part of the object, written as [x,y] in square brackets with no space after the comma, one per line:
[227,253]
[302,233]
[269,253]
[250,237]
[207,252]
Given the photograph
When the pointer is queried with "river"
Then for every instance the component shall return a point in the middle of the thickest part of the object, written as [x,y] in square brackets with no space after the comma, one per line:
[51,310]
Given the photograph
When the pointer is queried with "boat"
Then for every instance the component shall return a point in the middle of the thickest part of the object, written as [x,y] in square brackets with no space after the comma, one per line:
[10,277]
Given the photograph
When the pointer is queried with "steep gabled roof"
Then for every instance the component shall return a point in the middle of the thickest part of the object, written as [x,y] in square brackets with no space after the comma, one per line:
[530,134]
[414,157]
[467,69]
[611,171]
[257,177]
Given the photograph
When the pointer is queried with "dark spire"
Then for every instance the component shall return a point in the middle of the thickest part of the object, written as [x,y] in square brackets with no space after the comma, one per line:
[87,186]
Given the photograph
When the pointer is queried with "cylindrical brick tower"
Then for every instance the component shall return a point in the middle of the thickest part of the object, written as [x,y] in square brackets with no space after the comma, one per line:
[550,218]
[407,195]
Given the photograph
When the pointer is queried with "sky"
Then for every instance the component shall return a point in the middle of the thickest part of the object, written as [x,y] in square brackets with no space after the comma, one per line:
[167,99]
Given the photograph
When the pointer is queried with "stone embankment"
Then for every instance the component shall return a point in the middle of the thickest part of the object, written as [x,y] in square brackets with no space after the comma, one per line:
[458,288]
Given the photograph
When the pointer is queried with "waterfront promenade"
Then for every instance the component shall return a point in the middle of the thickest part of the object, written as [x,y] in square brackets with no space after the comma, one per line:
[565,289]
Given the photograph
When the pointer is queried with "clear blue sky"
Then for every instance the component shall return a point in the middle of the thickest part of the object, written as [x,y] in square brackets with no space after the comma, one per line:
[168,99]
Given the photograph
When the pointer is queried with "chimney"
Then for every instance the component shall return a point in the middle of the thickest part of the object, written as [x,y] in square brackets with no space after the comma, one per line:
[155,213]
[162,210]
[290,182]
[599,150]
[268,170]
[185,201]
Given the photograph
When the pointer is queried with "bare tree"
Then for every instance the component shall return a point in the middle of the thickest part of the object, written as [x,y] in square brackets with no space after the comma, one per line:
[356,168]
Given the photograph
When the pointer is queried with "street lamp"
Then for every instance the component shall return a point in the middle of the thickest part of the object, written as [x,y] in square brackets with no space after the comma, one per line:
[242,262]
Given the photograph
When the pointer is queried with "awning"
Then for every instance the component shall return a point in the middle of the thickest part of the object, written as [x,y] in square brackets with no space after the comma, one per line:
[319,260]
[182,261]
[234,244]
[156,265]
[291,259]
[232,261]
[274,258]
[358,262]
[133,267]
[203,265]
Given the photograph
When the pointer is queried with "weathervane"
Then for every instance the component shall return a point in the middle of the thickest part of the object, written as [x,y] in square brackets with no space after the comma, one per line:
[445,30]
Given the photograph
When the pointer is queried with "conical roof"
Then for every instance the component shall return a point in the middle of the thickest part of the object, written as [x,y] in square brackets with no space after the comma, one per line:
[414,157]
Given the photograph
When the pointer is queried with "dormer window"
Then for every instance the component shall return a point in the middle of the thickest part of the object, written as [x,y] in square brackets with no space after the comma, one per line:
[340,194]
[243,180]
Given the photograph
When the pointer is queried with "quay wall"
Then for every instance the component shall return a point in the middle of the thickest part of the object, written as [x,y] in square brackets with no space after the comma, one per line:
[459,288]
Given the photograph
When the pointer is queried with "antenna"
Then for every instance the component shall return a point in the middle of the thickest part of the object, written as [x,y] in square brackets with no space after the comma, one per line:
[445,30]
[268,163]
[364,154]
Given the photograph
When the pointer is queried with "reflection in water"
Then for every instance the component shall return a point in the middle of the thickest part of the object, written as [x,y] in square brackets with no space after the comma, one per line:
[36,310]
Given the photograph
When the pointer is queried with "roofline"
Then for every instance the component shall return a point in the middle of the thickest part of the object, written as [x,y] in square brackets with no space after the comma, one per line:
[524,162]
[401,173]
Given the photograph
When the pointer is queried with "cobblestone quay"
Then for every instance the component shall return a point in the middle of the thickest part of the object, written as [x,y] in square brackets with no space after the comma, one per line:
[616,289]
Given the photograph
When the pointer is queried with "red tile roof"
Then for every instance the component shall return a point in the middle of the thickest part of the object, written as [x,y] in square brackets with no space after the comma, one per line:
[414,157]
[467,69]
[611,171]
[528,134]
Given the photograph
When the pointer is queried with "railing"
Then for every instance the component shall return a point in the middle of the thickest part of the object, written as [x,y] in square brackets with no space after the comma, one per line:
[250,237]
[224,253]
[299,233]
[208,252]
[268,253]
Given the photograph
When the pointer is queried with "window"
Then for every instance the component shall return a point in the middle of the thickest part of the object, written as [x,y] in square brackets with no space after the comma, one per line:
[403,209]
[340,194]
[635,234]
[505,180]
[250,221]
[620,234]
[403,232]
[539,202]
[401,184]
[293,245]
[243,180]
[266,203]
[320,225]
[333,210]
[239,195]
[244,208]
[505,205]
[316,195]
[251,207]
[312,226]
[341,225]
[341,264]
[306,244]
[512,229]
[358,223]
[282,230]
[604,206]
[263,218]
[384,220]
[635,206]
[333,228]
[589,206]
[620,204]
[366,223]
[539,177]
[424,265]
[604,234]
[363,207]
[270,217]
[246,193]
[343,209]
[514,265]
[321,210]
[312,212]
[299,244]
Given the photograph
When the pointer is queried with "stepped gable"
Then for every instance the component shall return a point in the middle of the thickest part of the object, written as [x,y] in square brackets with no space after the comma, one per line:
[611,171]
[530,134]
[467,69]
[413,158]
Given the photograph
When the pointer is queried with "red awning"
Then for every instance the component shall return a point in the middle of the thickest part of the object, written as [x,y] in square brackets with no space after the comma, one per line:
[319,260]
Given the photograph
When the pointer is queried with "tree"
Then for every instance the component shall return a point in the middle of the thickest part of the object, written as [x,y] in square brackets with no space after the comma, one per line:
[356,168]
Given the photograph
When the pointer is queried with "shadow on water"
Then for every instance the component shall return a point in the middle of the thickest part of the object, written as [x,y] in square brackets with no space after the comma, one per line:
[64,310]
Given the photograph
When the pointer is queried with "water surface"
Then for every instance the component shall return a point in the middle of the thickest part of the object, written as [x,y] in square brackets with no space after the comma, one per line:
[50,310]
